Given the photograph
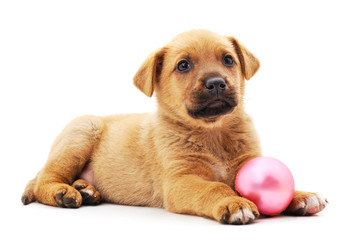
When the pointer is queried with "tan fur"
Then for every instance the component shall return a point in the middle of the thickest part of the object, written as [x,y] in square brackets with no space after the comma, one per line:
[164,159]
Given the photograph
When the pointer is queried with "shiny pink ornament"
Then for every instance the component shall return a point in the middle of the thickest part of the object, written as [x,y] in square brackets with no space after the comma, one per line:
[268,183]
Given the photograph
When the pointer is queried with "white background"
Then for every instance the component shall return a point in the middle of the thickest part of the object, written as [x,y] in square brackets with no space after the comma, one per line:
[61,59]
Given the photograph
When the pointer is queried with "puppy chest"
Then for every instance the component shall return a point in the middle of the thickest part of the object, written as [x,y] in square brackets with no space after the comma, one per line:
[223,173]
[220,171]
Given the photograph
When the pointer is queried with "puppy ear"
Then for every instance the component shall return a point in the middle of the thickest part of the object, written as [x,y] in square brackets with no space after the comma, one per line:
[146,76]
[249,63]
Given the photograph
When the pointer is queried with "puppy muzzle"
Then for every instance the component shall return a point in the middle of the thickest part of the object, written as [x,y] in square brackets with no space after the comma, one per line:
[215,99]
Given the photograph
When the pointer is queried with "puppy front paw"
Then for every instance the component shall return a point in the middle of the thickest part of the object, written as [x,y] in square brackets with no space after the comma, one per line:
[236,210]
[305,204]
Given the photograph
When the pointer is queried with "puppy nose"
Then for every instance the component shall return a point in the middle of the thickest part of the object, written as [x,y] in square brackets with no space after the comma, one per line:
[215,83]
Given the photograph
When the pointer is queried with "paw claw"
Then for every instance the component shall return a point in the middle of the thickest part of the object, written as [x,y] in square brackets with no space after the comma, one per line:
[67,200]
[224,218]
[256,214]
[299,211]
[60,195]
[237,222]
[79,186]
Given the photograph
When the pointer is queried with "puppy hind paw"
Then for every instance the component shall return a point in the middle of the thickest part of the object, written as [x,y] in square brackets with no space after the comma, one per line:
[68,198]
[89,194]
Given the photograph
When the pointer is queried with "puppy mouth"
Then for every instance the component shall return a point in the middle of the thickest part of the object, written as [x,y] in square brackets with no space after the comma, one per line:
[213,109]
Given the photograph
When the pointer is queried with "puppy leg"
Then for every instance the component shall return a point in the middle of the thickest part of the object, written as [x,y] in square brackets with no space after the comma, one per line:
[67,158]
[192,194]
[306,203]
[89,194]
[28,195]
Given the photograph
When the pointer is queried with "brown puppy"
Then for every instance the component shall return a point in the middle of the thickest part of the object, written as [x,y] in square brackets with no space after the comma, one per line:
[185,156]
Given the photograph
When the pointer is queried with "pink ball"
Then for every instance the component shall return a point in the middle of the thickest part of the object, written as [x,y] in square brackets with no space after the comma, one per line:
[268,183]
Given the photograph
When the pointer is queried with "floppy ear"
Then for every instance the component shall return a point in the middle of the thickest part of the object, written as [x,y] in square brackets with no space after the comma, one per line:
[249,63]
[147,74]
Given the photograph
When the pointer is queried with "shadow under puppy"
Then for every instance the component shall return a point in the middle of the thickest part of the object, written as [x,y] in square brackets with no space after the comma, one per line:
[185,156]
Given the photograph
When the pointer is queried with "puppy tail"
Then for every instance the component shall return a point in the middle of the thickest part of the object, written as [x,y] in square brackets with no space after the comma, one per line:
[28,195]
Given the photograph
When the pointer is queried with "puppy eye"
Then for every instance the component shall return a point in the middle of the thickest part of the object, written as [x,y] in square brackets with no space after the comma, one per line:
[228,61]
[183,66]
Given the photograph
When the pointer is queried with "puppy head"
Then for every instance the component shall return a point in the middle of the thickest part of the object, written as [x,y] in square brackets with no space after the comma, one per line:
[199,75]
